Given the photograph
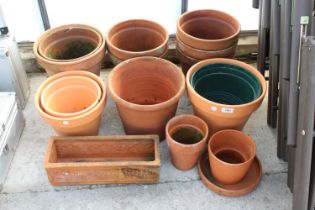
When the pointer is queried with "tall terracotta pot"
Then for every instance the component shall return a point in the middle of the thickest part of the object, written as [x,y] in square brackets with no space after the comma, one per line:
[135,38]
[225,92]
[146,91]
[186,137]
[82,125]
[208,29]
[69,47]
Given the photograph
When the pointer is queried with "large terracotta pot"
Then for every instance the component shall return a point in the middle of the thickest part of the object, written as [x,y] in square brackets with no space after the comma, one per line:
[70,96]
[185,61]
[86,124]
[70,47]
[135,38]
[146,91]
[225,92]
[208,29]
[186,137]
[231,154]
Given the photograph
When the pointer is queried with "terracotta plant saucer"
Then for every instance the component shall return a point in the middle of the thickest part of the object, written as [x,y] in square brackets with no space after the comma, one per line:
[248,183]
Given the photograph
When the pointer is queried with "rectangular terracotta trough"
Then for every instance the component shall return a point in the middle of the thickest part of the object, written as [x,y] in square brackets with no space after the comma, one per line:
[103,160]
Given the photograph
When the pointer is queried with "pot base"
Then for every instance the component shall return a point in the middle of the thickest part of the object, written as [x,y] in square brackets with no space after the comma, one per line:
[245,186]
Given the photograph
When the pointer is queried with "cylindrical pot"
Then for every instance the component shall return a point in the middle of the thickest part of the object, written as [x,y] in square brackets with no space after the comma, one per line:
[225,92]
[135,38]
[208,29]
[70,96]
[86,124]
[205,54]
[186,137]
[70,47]
[231,154]
[146,91]
[185,61]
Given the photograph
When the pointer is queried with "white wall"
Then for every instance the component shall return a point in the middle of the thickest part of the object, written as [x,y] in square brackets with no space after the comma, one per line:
[103,14]
[23,18]
[241,9]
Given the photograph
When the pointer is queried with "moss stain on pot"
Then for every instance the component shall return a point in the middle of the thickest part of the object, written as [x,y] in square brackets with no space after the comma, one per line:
[74,49]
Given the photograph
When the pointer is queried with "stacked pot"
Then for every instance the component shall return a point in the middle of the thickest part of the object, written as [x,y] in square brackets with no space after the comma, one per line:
[70,47]
[72,102]
[136,38]
[204,34]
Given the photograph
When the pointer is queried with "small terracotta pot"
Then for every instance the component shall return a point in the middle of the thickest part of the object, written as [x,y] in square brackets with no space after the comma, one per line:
[205,54]
[135,38]
[185,61]
[70,47]
[225,92]
[70,96]
[208,29]
[231,154]
[186,137]
[146,91]
[86,124]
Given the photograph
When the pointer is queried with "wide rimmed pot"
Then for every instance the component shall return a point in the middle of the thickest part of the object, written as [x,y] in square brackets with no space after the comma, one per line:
[231,154]
[83,125]
[146,91]
[186,137]
[205,54]
[208,29]
[225,92]
[70,96]
[69,47]
[135,38]
[185,61]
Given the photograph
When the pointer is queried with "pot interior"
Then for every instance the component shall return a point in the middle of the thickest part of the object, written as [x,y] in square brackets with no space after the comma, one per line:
[186,134]
[69,43]
[210,28]
[137,38]
[147,81]
[226,84]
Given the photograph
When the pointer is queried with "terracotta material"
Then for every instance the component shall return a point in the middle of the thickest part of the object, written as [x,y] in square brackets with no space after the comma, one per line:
[185,61]
[205,54]
[103,160]
[186,137]
[221,116]
[231,154]
[70,96]
[83,125]
[57,40]
[208,29]
[146,91]
[245,186]
[135,38]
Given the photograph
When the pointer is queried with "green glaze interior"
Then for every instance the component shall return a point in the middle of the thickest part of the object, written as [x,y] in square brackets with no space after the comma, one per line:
[226,84]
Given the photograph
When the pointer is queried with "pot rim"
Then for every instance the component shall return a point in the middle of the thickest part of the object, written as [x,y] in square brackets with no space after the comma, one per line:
[196,66]
[179,28]
[100,47]
[187,116]
[226,163]
[72,114]
[137,53]
[77,119]
[140,107]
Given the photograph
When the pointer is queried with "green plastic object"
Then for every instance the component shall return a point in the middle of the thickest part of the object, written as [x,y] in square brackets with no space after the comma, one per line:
[226,84]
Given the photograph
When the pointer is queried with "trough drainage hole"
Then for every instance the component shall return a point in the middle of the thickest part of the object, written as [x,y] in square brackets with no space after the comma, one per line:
[187,135]
[230,156]
[75,50]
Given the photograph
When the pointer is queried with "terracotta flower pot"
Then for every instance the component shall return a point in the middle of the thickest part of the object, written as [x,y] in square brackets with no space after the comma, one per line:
[205,54]
[208,29]
[225,92]
[185,61]
[186,137]
[135,38]
[86,124]
[70,47]
[70,96]
[231,154]
[146,91]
